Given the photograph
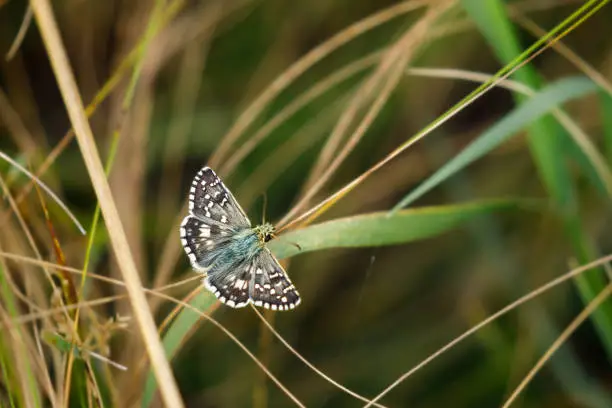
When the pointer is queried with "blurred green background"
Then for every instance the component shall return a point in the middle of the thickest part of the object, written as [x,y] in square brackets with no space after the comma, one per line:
[368,314]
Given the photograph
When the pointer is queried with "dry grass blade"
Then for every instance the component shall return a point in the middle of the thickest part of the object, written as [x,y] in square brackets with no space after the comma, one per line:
[47,190]
[578,135]
[44,314]
[74,105]
[397,56]
[302,65]
[317,90]
[66,287]
[535,50]
[308,363]
[22,340]
[17,129]
[22,364]
[156,292]
[171,10]
[284,155]
[531,295]
[69,297]
[568,54]
[390,72]
[569,330]
[23,29]
[183,304]
[46,264]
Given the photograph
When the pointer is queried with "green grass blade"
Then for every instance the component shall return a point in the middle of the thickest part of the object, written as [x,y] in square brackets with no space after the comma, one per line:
[5,374]
[606,120]
[30,387]
[175,336]
[546,142]
[379,229]
[520,118]
[376,229]
[490,16]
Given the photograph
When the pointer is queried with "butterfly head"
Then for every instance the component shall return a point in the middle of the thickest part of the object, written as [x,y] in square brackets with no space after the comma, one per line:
[265,232]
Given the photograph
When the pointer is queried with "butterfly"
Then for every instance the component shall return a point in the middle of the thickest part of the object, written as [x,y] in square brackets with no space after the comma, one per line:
[220,241]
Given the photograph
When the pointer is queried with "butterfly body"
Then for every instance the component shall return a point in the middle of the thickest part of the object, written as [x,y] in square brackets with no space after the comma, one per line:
[244,245]
[219,240]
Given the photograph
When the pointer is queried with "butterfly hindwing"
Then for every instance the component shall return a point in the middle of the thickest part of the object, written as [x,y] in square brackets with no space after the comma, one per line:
[272,288]
[261,281]
[231,287]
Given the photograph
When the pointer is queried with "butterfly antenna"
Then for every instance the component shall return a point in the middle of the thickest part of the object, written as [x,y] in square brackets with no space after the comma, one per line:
[265,207]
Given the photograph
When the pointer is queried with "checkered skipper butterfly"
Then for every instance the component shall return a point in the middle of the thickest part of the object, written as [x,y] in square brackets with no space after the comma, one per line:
[219,240]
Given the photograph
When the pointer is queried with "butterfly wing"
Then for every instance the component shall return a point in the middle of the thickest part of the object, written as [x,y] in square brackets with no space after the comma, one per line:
[214,217]
[209,199]
[231,284]
[203,241]
[271,286]
[260,280]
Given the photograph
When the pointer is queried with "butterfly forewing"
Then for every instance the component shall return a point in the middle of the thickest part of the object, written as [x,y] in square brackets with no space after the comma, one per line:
[203,240]
[209,199]
[214,218]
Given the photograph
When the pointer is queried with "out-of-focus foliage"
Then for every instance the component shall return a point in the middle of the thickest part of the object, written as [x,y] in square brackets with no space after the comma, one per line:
[174,85]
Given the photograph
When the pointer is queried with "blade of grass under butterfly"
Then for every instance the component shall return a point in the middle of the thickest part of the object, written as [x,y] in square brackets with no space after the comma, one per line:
[515,121]
[374,229]
[382,228]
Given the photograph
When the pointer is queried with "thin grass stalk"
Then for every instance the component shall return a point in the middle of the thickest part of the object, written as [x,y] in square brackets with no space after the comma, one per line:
[302,65]
[59,61]
[536,49]
[505,310]
[567,332]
